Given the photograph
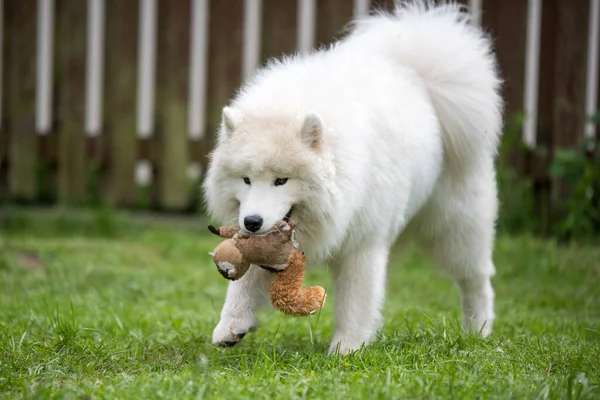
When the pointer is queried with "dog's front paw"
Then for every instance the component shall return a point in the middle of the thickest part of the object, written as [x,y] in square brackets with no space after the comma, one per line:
[482,326]
[230,330]
[344,344]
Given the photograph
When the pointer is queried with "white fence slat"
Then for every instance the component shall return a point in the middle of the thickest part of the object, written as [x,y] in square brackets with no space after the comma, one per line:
[475,10]
[44,59]
[146,67]
[532,59]
[95,67]
[252,37]
[198,69]
[591,95]
[361,8]
[307,18]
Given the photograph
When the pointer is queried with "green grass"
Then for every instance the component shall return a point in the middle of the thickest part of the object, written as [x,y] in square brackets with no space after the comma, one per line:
[110,306]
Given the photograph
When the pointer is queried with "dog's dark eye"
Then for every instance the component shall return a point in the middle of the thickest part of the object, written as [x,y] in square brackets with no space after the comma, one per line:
[280,181]
[246,180]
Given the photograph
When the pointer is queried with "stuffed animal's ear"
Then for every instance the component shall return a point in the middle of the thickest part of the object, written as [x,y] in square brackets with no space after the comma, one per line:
[291,224]
[281,226]
[226,232]
[312,130]
[214,230]
[229,119]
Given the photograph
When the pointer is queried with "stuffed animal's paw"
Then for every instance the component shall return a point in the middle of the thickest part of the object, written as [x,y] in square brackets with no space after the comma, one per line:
[228,270]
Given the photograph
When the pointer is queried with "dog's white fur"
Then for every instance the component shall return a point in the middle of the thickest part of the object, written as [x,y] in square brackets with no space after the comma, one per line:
[389,134]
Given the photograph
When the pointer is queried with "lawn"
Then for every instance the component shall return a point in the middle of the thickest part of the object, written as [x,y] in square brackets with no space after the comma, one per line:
[104,305]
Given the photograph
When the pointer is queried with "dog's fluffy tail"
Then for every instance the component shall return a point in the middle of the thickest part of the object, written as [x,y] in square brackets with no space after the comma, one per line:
[455,60]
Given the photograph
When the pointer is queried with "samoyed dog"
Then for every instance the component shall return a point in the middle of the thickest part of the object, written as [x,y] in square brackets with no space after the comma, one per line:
[388,136]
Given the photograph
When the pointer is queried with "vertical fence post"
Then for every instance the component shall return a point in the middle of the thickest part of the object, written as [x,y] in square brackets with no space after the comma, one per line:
[198,69]
[70,45]
[591,99]
[1,68]
[568,100]
[331,19]
[570,62]
[45,42]
[171,189]
[306,25]
[361,8]
[225,51]
[94,88]
[147,67]
[532,57]
[279,28]
[252,28]
[122,37]
[21,43]
[3,133]
[475,9]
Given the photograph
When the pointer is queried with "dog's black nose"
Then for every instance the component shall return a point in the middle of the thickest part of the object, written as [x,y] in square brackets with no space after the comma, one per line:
[253,222]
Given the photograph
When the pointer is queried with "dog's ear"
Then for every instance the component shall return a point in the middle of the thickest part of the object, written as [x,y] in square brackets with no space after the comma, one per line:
[312,130]
[229,119]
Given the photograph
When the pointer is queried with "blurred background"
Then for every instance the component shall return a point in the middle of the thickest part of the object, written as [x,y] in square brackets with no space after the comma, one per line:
[115,102]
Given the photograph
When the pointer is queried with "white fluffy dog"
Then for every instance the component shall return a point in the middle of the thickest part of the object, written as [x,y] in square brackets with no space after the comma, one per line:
[390,134]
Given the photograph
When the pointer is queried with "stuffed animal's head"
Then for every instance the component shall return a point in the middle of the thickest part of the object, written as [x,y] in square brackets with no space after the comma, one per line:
[271,249]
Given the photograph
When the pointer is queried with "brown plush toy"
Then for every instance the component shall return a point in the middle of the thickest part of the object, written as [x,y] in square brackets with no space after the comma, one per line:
[275,251]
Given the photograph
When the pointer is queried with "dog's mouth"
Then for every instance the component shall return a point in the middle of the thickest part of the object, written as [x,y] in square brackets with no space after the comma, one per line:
[288,216]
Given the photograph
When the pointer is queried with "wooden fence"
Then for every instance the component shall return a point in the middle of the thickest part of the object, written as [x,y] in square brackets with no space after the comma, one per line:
[117,100]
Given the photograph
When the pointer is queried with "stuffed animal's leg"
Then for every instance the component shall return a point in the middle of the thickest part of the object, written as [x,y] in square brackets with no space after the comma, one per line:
[286,289]
[243,297]
[231,265]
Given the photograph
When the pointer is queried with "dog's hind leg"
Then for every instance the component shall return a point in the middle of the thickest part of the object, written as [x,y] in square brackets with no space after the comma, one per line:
[458,232]
[477,299]
[243,297]
[359,289]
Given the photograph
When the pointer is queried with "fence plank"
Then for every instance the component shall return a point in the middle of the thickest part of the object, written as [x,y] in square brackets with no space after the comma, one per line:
[332,18]
[171,188]
[225,50]
[507,22]
[546,77]
[70,45]
[120,99]
[21,49]
[538,161]
[386,5]
[570,60]
[568,114]
[279,28]
[3,108]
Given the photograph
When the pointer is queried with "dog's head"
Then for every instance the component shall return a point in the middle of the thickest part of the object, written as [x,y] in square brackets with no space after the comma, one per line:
[265,168]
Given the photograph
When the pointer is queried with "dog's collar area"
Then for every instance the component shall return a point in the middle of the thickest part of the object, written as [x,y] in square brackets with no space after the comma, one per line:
[270,269]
